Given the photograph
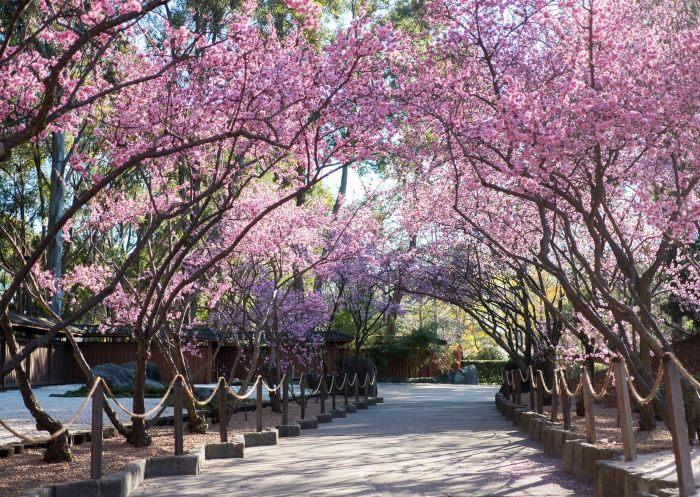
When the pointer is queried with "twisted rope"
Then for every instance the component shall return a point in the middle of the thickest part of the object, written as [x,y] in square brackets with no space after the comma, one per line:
[249,393]
[509,379]
[604,389]
[531,375]
[684,371]
[155,409]
[548,391]
[65,426]
[579,387]
[354,380]
[523,378]
[654,389]
[202,403]
[272,390]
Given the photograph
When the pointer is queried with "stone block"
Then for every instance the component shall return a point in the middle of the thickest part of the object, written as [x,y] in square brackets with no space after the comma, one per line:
[19,448]
[41,492]
[338,413]
[260,438]
[380,400]
[78,438]
[517,415]
[360,404]
[115,485]
[307,424]
[187,464]
[135,473]
[224,450]
[350,408]
[6,452]
[288,430]
[84,488]
[371,401]
[324,417]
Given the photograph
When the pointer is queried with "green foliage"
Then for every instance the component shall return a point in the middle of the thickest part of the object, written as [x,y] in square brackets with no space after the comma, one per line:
[489,370]
[488,354]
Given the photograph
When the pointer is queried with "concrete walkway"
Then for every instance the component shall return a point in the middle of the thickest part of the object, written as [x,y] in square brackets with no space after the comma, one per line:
[425,440]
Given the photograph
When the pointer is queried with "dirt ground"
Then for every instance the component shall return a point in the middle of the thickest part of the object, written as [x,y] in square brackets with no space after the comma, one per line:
[23,472]
[608,432]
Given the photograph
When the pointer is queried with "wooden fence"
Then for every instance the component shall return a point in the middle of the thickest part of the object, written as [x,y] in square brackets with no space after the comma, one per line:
[669,375]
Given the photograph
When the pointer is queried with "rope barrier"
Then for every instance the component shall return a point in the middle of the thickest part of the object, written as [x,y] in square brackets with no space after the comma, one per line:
[65,426]
[131,414]
[202,403]
[683,371]
[250,392]
[354,379]
[604,389]
[531,375]
[272,390]
[523,378]
[509,379]
[654,389]
[548,391]
[579,387]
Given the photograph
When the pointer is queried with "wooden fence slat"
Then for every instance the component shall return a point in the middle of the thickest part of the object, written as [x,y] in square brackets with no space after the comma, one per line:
[258,406]
[177,413]
[96,435]
[678,427]
[588,406]
[624,408]
[223,414]
[285,400]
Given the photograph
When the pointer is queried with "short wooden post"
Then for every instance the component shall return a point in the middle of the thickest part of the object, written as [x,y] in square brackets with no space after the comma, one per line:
[258,405]
[324,394]
[285,400]
[531,383]
[223,414]
[540,395]
[555,400]
[518,386]
[678,427]
[333,390]
[357,388]
[376,387]
[302,395]
[366,386]
[177,417]
[588,406]
[565,401]
[625,410]
[513,393]
[96,435]
[346,387]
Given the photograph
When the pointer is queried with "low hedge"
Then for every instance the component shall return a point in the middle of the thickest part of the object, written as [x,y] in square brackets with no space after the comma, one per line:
[489,370]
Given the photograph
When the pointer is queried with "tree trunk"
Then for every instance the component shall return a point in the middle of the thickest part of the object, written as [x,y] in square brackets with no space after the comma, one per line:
[138,436]
[58,449]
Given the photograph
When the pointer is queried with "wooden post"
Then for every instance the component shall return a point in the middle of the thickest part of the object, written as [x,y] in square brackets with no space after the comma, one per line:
[324,393]
[285,401]
[366,386]
[96,435]
[532,388]
[624,409]
[513,393]
[357,388]
[518,387]
[346,387]
[223,414]
[333,390]
[588,406]
[376,387]
[565,402]
[302,394]
[555,400]
[540,395]
[258,405]
[177,416]
[678,427]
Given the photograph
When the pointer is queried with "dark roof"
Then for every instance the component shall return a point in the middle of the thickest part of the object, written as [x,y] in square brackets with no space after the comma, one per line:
[335,336]
[33,323]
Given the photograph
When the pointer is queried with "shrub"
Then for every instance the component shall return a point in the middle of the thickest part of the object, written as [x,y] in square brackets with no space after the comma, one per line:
[489,370]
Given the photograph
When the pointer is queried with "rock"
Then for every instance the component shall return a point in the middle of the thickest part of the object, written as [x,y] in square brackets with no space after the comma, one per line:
[152,370]
[122,378]
[459,379]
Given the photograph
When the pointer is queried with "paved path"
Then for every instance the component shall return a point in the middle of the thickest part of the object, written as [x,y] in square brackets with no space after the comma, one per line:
[425,440]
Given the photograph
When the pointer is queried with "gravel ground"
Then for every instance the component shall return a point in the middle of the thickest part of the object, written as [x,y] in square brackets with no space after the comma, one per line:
[24,472]
[608,432]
